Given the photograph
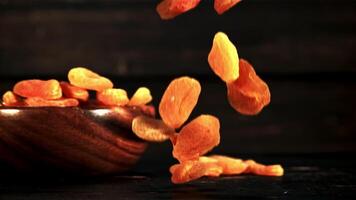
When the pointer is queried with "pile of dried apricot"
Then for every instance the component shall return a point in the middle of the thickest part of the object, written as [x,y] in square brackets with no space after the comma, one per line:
[169,9]
[52,93]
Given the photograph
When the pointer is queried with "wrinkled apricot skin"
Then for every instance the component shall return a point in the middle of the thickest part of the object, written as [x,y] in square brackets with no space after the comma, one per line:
[11,99]
[217,165]
[249,93]
[38,88]
[222,6]
[112,97]
[264,170]
[197,138]
[87,79]
[169,9]
[141,97]
[194,169]
[39,102]
[223,58]
[152,130]
[179,100]
[71,91]
[231,166]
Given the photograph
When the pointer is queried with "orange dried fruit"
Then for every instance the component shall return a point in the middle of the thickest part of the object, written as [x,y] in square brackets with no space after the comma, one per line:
[249,93]
[40,102]
[142,96]
[197,138]
[231,166]
[194,169]
[223,58]
[112,97]
[87,79]
[222,6]
[38,88]
[168,9]
[71,91]
[179,100]
[11,99]
[207,159]
[264,170]
[173,138]
[150,129]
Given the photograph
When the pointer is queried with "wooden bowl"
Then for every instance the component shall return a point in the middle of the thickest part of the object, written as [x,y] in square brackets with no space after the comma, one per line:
[71,141]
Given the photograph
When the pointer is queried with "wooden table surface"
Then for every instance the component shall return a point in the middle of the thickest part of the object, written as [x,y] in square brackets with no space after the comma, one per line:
[307,176]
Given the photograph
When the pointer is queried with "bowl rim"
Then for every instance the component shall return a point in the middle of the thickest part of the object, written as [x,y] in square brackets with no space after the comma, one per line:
[96,107]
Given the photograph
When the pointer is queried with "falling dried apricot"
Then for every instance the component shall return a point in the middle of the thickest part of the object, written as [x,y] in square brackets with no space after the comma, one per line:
[11,99]
[249,93]
[87,79]
[169,9]
[223,58]
[264,170]
[194,169]
[40,102]
[71,91]
[113,97]
[38,88]
[222,6]
[151,129]
[179,100]
[231,166]
[196,138]
[142,96]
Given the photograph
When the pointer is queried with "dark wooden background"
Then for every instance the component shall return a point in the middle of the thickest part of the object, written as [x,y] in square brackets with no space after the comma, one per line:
[304,49]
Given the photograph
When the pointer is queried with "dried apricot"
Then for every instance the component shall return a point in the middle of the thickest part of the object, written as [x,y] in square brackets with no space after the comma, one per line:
[169,9]
[71,91]
[142,96]
[113,97]
[11,99]
[231,166]
[222,6]
[223,58]
[194,169]
[38,88]
[196,138]
[179,100]
[40,102]
[249,93]
[207,159]
[264,170]
[151,129]
[87,79]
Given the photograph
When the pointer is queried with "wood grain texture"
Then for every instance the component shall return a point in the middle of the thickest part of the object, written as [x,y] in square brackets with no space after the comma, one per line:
[69,140]
[128,38]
